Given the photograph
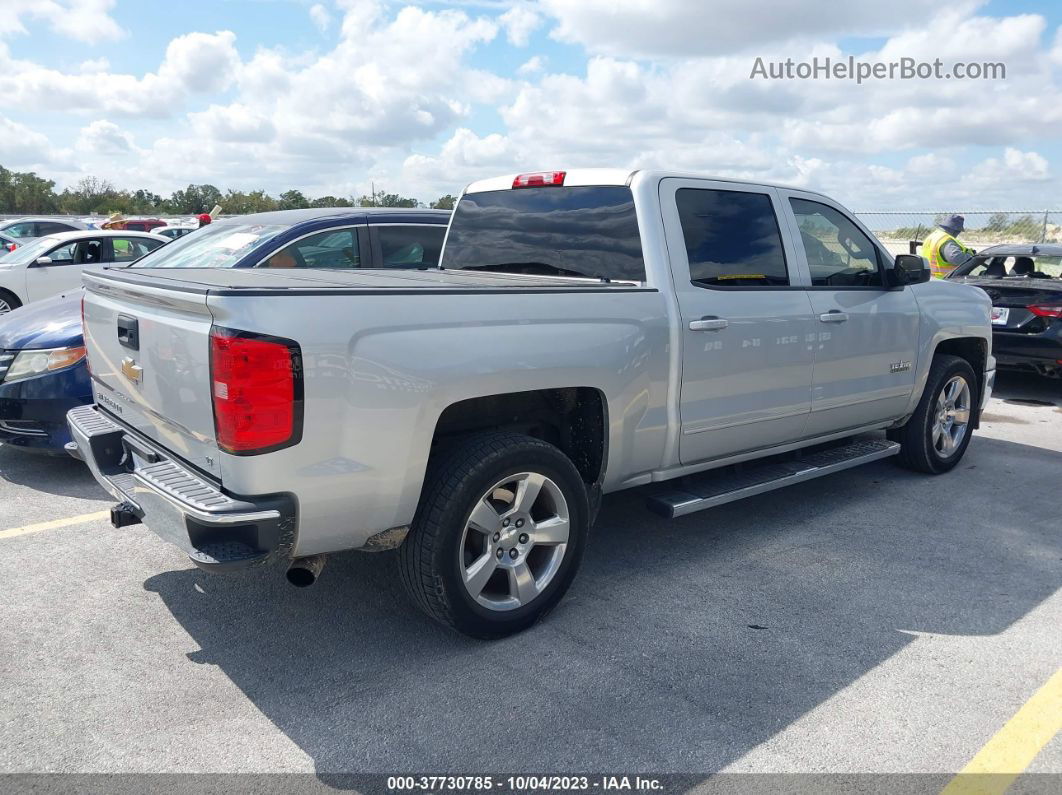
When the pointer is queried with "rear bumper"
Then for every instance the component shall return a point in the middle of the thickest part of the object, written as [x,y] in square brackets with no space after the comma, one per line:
[217,531]
[1040,352]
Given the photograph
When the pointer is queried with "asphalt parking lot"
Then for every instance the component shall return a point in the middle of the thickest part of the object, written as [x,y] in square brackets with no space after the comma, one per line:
[873,621]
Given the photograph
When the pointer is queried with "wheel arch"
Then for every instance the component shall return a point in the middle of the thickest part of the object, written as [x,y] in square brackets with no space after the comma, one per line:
[574,419]
[975,351]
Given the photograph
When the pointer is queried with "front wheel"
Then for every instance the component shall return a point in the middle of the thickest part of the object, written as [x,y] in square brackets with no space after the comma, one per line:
[938,433]
[8,302]
[498,535]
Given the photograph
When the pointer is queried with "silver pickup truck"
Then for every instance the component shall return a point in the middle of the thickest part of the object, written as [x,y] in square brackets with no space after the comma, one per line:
[588,331]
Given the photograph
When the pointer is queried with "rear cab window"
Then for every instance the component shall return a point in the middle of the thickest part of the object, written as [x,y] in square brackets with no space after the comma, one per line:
[588,232]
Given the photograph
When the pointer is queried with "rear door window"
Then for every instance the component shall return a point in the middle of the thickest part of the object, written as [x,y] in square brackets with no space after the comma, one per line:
[408,246]
[584,231]
[132,248]
[332,248]
[732,238]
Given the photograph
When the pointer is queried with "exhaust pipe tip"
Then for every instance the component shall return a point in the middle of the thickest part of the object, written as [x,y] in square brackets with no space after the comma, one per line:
[303,572]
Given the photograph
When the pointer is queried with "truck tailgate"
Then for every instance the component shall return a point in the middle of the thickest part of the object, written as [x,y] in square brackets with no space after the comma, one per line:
[149,353]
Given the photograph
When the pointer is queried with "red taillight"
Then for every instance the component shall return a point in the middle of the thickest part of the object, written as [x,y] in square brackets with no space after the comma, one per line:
[12,246]
[1054,310]
[539,179]
[256,383]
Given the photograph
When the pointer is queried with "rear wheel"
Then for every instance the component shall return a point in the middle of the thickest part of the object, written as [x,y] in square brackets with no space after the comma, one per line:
[8,302]
[937,435]
[498,535]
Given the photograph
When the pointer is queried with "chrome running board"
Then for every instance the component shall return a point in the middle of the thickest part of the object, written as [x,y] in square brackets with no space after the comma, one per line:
[718,487]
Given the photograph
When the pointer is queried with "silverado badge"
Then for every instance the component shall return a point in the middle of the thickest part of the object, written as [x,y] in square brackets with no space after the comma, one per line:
[899,367]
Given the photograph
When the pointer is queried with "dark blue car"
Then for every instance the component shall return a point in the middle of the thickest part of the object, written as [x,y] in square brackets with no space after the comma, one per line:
[42,372]
[42,355]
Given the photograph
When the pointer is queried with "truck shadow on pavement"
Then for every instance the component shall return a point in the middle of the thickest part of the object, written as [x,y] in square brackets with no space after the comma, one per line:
[60,475]
[681,646]
[1027,389]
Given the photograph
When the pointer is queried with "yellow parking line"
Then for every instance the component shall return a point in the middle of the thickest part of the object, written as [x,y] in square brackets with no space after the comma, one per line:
[1013,748]
[54,524]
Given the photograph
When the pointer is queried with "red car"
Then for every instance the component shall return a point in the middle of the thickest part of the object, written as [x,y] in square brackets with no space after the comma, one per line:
[142,224]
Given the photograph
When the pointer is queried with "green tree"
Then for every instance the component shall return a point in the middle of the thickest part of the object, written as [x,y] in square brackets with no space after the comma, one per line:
[293,200]
[196,199]
[446,202]
[331,201]
[382,199]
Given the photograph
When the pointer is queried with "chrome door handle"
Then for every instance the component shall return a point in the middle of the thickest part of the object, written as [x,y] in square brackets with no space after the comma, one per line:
[834,316]
[708,324]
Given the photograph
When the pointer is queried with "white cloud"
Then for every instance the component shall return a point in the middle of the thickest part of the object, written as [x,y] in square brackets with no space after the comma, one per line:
[320,17]
[532,66]
[103,137]
[201,62]
[87,21]
[712,27]
[193,63]
[21,146]
[233,123]
[519,23]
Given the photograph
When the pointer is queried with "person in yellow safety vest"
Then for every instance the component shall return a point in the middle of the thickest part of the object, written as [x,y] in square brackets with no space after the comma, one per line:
[944,252]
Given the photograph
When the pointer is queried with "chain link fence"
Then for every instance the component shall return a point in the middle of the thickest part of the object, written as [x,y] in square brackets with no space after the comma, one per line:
[983,227]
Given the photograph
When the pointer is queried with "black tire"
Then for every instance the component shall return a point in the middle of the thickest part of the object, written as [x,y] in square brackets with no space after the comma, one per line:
[431,556]
[917,450]
[10,299]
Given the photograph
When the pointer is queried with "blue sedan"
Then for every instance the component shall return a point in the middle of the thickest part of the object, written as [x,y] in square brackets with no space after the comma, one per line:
[42,372]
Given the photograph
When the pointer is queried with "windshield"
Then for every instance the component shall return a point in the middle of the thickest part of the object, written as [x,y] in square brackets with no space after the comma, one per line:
[216,246]
[588,232]
[29,252]
[1012,267]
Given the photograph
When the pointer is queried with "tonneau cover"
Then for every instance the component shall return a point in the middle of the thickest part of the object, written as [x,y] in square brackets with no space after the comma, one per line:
[256,279]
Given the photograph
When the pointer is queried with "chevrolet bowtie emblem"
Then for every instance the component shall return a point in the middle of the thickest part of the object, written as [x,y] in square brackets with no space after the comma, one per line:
[131,370]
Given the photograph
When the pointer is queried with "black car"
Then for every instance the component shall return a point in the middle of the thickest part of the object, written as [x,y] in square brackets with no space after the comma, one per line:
[1025,285]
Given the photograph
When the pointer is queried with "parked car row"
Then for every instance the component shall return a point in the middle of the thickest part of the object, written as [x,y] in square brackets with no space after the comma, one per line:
[42,351]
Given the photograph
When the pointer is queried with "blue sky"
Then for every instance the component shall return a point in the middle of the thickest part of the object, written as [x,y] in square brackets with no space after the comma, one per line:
[424,97]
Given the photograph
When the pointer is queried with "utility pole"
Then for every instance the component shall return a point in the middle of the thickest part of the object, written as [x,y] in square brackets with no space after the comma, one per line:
[1043,234]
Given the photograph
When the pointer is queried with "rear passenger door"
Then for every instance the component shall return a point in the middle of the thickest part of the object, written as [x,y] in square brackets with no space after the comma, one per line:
[867,334]
[406,245]
[746,320]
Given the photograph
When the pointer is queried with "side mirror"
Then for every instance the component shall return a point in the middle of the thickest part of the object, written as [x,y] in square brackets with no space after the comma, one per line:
[43,261]
[907,269]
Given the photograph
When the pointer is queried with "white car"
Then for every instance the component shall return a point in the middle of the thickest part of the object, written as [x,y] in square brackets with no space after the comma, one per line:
[31,227]
[174,231]
[53,264]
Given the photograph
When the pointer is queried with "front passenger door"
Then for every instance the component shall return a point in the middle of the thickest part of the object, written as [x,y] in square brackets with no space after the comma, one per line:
[866,334]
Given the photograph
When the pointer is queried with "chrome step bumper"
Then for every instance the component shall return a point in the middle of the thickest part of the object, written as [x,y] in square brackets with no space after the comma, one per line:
[722,486]
[216,530]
